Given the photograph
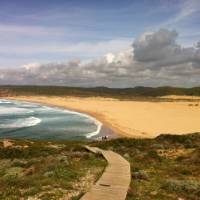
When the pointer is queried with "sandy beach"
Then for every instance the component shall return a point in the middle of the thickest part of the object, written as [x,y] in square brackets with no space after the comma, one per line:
[132,118]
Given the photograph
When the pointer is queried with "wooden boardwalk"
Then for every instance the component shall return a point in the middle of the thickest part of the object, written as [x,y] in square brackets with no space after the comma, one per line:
[115,181]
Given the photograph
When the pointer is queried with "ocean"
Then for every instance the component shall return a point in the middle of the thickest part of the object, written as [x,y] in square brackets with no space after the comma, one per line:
[27,120]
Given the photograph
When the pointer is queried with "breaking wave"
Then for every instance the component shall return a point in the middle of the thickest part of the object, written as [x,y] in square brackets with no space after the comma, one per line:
[96,122]
[4,102]
[21,123]
[7,111]
[54,122]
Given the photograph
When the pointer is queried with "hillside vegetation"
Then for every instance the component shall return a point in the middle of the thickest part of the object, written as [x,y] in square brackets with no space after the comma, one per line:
[164,168]
[98,91]
[46,170]
[167,167]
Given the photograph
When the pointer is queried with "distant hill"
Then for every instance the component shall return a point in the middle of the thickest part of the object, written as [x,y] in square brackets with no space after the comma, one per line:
[98,91]
[3,92]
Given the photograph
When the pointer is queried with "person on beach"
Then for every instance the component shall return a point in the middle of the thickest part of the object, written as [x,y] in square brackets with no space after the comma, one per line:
[104,137]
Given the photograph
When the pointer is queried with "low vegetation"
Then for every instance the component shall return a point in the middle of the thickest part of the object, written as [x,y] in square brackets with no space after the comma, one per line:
[167,167]
[125,93]
[46,170]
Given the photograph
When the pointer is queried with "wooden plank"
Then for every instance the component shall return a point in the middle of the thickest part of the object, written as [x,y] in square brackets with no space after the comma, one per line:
[115,181]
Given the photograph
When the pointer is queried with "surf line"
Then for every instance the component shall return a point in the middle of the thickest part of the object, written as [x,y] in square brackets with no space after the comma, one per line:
[96,122]
[88,135]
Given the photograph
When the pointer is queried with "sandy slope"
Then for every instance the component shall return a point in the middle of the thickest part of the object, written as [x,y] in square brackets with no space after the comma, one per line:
[175,97]
[133,118]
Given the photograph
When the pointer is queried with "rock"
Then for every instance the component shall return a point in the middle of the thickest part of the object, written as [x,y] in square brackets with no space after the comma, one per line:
[140,175]
[137,151]
[126,155]
[64,159]
[32,198]
[154,193]
[49,174]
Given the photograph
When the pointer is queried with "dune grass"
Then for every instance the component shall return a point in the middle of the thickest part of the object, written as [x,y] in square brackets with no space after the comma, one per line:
[167,167]
[47,170]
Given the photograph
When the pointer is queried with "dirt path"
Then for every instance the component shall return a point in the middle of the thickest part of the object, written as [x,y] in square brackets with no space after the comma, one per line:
[115,181]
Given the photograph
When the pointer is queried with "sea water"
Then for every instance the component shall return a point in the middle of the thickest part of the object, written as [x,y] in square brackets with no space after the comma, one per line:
[34,121]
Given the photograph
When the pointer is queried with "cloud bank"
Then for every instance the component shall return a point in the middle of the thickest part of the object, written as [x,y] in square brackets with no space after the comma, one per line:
[154,59]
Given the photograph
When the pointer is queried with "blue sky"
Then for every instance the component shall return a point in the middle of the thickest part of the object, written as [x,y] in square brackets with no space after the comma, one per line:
[45,31]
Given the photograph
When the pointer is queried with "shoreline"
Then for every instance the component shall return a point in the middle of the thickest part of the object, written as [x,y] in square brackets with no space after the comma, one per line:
[135,119]
[102,129]
[111,130]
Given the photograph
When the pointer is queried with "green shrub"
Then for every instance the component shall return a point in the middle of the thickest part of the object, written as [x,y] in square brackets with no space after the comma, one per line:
[30,152]
[185,186]
[186,172]
[66,173]
[153,155]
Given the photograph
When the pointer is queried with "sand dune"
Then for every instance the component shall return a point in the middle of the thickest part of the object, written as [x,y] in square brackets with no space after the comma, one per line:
[175,97]
[133,118]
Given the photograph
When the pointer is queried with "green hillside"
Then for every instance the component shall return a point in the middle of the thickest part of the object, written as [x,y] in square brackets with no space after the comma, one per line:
[164,168]
[98,91]
[167,167]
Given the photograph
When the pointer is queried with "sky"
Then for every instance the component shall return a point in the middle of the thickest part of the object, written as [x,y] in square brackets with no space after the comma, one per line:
[89,43]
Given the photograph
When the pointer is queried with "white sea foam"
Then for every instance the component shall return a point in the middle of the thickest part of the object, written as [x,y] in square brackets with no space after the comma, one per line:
[21,123]
[99,126]
[45,108]
[13,110]
[29,106]
[96,122]
[4,101]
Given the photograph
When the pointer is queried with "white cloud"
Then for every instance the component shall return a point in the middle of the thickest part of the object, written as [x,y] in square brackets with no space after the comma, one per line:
[160,49]
[154,59]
